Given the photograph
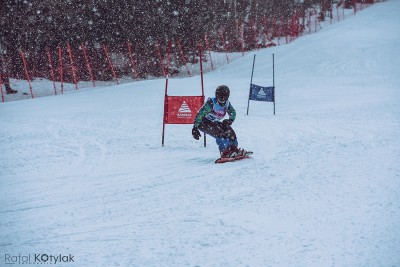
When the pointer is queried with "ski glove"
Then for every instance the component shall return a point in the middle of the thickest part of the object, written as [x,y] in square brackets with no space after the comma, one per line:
[196,133]
[227,122]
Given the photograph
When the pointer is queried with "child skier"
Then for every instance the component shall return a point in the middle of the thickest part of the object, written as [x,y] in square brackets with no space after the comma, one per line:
[208,120]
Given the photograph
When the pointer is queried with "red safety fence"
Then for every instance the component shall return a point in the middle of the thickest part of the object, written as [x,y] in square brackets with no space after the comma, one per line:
[70,66]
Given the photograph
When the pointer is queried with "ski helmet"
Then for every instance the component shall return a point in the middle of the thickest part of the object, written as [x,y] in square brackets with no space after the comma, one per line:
[222,93]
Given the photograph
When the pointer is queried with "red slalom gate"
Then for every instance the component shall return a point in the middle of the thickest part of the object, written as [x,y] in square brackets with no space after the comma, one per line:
[182,109]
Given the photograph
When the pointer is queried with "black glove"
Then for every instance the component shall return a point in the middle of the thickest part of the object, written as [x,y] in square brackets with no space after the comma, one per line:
[196,133]
[227,122]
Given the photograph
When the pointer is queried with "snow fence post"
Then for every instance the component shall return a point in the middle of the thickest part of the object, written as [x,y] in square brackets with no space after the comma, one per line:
[166,73]
[209,52]
[1,89]
[251,82]
[72,66]
[161,59]
[88,63]
[110,63]
[165,110]
[254,27]
[242,37]
[132,60]
[183,56]
[51,70]
[273,78]
[61,69]
[221,33]
[355,7]
[202,83]
[26,71]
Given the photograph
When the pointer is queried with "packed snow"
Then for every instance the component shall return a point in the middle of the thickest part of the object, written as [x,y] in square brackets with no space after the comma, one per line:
[85,174]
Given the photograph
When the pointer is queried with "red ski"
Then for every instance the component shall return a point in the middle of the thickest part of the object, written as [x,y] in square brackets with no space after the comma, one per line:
[224,160]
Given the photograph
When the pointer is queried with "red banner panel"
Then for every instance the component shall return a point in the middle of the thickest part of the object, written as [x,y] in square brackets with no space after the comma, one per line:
[182,109]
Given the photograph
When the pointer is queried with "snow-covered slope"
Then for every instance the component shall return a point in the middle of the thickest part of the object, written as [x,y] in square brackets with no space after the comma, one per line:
[85,174]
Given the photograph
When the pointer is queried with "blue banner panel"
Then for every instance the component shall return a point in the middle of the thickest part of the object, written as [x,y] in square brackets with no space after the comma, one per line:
[260,93]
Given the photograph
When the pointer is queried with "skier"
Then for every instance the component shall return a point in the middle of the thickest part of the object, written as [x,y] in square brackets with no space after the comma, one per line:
[208,120]
[4,78]
[6,81]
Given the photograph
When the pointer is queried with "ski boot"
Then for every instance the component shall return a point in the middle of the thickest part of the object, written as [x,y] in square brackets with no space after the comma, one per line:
[11,91]
[226,153]
[232,152]
[237,152]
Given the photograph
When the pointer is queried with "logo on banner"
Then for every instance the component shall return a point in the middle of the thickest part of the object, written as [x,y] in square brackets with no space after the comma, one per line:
[184,111]
[261,94]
